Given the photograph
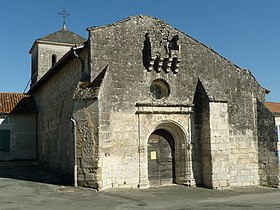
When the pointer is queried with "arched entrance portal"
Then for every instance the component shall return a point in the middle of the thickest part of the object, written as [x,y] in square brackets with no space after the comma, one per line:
[161,158]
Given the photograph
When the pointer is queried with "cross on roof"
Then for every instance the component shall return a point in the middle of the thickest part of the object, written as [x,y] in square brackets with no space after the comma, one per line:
[64,15]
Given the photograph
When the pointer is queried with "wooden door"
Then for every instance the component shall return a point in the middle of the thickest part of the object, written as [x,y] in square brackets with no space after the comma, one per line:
[160,160]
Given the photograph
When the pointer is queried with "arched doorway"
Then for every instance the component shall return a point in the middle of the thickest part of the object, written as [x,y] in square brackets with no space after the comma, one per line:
[161,158]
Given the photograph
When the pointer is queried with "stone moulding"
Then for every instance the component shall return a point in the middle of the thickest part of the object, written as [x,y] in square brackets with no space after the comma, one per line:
[164,109]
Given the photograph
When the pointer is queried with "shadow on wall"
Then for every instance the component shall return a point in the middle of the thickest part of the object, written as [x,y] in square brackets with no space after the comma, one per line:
[202,161]
[32,171]
[267,147]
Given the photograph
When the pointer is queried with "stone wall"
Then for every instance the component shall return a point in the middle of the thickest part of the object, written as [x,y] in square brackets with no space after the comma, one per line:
[202,165]
[267,156]
[219,144]
[86,116]
[42,58]
[22,137]
[243,142]
[119,150]
[55,103]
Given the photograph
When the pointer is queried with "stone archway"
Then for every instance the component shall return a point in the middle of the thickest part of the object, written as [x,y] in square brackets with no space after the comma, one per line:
[178,132]
[177,140]
[161,158]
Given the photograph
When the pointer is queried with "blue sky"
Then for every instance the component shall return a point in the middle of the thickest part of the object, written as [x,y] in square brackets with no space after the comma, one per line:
[246,32]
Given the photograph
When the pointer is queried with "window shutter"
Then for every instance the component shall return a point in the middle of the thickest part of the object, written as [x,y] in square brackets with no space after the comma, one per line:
[5,140]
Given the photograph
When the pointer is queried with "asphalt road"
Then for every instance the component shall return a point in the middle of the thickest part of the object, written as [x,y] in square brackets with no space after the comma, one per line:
[32,187]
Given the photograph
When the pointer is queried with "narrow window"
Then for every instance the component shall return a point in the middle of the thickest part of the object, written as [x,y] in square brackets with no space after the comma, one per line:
[53,59]
[4,140]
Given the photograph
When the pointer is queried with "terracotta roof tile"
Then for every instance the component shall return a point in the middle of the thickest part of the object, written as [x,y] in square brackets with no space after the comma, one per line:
[17,103]
[274,107]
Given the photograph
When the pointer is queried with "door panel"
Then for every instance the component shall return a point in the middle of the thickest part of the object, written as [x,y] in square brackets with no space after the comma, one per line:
[160,161]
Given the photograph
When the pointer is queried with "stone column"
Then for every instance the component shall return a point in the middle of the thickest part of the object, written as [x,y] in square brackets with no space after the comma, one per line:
[143,162]
[189,176]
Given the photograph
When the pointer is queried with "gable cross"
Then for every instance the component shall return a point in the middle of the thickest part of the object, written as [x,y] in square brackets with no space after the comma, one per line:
[64,15]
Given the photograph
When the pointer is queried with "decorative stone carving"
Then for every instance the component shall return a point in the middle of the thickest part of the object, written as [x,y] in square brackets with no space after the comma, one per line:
[161,52]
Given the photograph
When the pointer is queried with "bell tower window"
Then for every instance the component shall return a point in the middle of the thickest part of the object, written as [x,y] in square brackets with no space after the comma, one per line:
[54,59]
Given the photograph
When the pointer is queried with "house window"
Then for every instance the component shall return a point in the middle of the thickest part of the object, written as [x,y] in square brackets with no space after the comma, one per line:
[5,140]
[54,59]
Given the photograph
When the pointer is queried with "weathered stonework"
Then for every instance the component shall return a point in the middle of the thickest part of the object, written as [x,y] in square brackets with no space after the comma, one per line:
[144,79]
[267,144]
[22,129]
[56,106]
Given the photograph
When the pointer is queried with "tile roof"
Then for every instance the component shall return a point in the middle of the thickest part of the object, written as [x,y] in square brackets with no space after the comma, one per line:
[274,107]
[17,103]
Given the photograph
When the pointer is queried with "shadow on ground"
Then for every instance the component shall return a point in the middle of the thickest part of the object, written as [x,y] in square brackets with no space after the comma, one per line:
[32,171]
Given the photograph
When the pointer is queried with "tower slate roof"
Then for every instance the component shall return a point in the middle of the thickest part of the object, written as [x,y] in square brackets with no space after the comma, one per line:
[63,36]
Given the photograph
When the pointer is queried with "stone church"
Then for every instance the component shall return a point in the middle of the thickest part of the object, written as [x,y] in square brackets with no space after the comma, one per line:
[139,103]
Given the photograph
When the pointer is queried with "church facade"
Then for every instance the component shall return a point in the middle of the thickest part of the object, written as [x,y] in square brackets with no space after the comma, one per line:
[139,104]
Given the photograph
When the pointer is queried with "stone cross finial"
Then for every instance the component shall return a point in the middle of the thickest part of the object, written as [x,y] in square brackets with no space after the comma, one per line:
[64,15]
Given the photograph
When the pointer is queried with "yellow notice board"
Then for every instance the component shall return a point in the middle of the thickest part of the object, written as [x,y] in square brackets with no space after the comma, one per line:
[153,155]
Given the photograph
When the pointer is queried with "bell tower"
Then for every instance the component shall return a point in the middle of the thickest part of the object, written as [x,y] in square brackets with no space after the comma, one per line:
[48,50]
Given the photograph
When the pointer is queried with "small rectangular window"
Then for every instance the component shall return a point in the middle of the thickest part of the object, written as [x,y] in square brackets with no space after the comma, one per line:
[5,140]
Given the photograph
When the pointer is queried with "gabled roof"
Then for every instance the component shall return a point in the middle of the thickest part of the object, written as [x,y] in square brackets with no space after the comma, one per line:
[17,103]
[63,36]
[147,19]
[273,107]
